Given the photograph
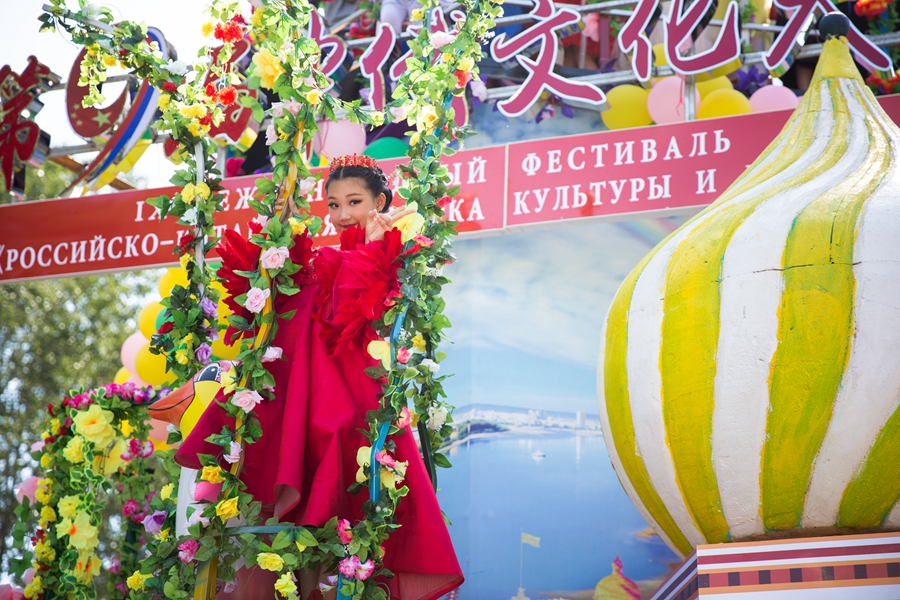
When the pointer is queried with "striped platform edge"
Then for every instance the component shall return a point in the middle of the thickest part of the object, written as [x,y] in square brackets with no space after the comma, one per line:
[825,568]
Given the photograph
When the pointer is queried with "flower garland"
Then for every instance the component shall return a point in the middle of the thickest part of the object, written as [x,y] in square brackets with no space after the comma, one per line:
[412,322]
[94,448]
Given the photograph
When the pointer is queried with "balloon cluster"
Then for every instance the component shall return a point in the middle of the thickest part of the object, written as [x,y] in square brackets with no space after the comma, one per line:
[339,138]
[634,106]
[141,367]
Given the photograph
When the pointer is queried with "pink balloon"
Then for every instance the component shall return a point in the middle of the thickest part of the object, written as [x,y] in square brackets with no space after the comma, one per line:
[137,381]
[665,103]
[773,97]
[133,343]
[339,138]
[159,430]
[27,489]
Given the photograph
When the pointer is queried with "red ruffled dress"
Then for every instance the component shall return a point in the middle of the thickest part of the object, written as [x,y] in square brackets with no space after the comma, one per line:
[304,462]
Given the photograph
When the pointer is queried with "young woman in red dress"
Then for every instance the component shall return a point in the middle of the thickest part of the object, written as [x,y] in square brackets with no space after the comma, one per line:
[301,467]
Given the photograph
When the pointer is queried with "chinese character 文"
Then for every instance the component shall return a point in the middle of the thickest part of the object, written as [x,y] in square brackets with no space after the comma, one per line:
[540,71]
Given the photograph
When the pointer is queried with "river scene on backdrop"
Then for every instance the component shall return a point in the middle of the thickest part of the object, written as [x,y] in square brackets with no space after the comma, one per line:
[528,456]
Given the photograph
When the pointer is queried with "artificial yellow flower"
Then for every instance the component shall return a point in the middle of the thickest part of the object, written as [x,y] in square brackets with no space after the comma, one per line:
[74,450]
[95,425]
[44,552]
[46,461]
[188,340]
[300,547]
[35,588]
[202,190]
[447,57]
[48,514]
[43,493]
[163,534]
[188,193]
[137,581]
[418,343]
[112,461]
[195,128]
[126,428]
[256,19]
[411,224]
[363,457]
[270,561]
[387,479]
[427,117]
[298,227]
[82,534]
[87,567]
[229,380]
[414,139]
[212,474]
[109,60]
[45,435]
[380,350]
[267,67]
[313,97]
[184,259]
[226,509]
[207,28]
[163,101]
[378,119]
[181,356]
[54,426]
[68,506]
[166,492]
[286,586]
[417,15]
[466,64]
[192,111]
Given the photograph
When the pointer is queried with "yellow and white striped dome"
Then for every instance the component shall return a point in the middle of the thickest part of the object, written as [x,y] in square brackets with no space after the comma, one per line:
[750,376]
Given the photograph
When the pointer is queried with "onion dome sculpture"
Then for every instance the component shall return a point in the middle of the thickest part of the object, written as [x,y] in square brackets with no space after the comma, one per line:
[750,373]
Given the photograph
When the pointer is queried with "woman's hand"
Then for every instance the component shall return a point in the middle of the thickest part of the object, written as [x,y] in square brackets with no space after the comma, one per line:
[378,223]
[279,207]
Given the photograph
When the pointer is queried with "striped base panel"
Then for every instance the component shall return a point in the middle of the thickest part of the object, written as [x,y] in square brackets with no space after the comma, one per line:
[839,567]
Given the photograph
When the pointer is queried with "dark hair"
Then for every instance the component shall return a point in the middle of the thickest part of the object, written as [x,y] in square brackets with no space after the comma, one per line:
[374,180]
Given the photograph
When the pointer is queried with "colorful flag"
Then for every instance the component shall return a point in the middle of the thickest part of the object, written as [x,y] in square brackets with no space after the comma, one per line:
[531,540]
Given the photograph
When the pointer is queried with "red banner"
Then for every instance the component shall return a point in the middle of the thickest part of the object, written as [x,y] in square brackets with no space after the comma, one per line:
[640,172]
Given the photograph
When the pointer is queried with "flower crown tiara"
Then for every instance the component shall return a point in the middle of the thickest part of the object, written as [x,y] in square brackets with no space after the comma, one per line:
[353,160]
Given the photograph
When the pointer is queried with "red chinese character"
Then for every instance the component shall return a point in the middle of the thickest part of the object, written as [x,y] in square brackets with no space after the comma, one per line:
[633,38]
[678,31]
[18,136]
[335,47]
[867,53]
[540,72]
[372,62]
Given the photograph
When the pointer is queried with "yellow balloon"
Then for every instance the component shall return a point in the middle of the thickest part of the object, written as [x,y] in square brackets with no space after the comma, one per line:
[122,375]
[723,103]
[659,55]
[221,351]
[151,367]
[627,107]
[705,88]
[170,279]
[147,320]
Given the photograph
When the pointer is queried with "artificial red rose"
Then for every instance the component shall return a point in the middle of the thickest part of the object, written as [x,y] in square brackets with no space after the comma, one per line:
[205,119]
[229,32]
[168,86]
[185,241]
[227,96]
[210,90]
[165,328]
[238,18]
[462,78]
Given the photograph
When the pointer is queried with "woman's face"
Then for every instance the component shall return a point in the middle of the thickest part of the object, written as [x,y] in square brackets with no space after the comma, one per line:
[349,203]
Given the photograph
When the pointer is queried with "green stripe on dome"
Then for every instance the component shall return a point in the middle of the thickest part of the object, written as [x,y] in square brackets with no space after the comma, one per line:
[815,324]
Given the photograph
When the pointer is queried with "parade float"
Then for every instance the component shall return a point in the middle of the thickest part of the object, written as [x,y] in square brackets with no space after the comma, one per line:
[98,442]
[749,380]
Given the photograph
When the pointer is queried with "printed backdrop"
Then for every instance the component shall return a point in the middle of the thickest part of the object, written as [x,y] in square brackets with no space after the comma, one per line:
[527,313]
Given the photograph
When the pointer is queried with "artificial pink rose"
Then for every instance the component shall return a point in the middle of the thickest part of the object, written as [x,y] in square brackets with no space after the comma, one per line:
[234,454]
[349,566]
[27,489]
[292,106]
[365,570]
[273,258]
[423,241]
[256,299]
[385,459]
[207,491]
[197,517]
[278,109]
[306,185]
[403,356]
[439,39]
[271,135]
[398,112]
[263,220]
[405,418]
[479,90]
[187,550]
[8,592]
[345,534]
[273,353]
[37,446]
[246,400]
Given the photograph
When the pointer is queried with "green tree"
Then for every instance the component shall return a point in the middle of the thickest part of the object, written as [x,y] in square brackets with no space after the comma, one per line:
[55,335]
